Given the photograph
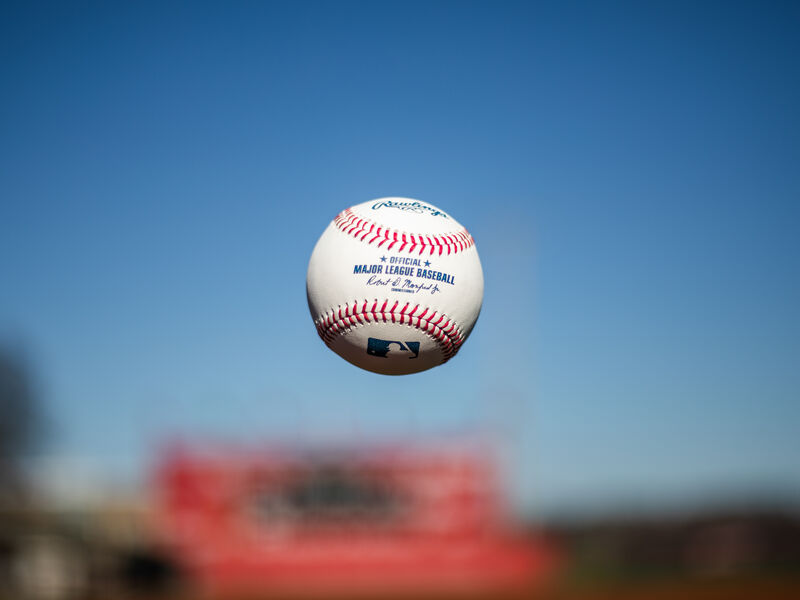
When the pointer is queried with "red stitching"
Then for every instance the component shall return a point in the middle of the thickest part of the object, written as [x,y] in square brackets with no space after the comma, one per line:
[447,335]
[361,229]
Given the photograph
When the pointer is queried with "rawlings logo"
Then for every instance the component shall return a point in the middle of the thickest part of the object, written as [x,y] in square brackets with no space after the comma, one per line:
[417,207]
[376,347]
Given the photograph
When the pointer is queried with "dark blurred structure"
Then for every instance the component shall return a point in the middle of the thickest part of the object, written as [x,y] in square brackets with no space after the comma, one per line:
[716,544]
[48,550]
[20,422]
[376,519]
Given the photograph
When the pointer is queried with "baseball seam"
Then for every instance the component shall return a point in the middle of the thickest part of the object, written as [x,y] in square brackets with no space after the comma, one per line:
[341,320]
[370,232]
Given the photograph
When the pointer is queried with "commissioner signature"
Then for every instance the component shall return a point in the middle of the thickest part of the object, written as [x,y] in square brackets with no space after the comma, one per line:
[405,285]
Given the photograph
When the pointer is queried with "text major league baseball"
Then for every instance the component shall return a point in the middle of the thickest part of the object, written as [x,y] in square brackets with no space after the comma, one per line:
[398,269]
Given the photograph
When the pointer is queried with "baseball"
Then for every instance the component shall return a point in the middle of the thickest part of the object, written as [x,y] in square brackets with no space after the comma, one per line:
[395,285]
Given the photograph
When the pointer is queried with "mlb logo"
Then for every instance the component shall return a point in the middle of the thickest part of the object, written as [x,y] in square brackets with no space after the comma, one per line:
[383,348]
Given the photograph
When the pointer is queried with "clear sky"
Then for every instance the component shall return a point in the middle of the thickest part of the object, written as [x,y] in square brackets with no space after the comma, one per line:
[630,173]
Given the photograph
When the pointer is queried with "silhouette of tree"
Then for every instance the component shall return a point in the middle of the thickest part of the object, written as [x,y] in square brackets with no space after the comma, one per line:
[19,420]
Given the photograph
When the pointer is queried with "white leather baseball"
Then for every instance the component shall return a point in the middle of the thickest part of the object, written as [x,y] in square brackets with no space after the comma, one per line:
[395,285]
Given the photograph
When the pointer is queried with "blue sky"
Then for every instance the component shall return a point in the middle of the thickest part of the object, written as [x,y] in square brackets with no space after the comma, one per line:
[629,172]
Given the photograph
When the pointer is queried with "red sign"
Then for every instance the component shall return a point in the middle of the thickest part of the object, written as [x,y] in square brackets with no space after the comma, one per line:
[377,519]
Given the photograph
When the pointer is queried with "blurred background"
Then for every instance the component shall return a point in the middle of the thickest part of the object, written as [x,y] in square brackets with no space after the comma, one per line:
[623,421]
